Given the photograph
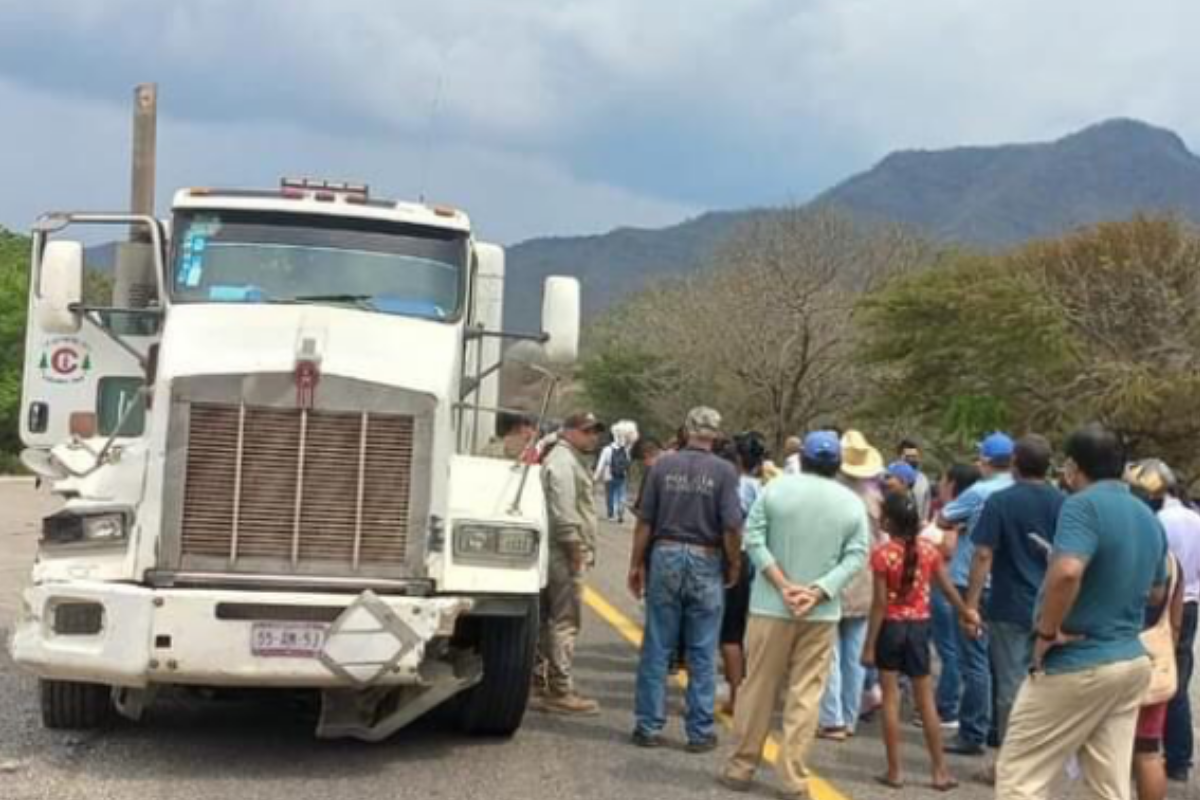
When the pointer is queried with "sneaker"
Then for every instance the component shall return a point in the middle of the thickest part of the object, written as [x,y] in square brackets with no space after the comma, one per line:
[947,725]
[1177,774]
[705,745]
[961,748]
[647,740]
[570,705]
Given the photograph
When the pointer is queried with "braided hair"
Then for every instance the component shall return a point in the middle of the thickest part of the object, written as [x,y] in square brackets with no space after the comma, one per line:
[900,509]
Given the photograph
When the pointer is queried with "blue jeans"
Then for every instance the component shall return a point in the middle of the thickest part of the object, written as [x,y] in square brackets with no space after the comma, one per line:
[684,592]
[615,493]
[1012,653]
[945,642]
[975,669]
[843,692]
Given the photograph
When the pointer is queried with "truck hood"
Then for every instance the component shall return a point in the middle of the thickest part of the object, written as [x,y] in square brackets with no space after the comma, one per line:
[214,339]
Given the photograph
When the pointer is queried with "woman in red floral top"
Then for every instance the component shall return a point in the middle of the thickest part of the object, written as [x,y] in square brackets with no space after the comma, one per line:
[899,635]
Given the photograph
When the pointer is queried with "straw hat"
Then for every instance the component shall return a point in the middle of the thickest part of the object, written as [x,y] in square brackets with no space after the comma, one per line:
[859,458]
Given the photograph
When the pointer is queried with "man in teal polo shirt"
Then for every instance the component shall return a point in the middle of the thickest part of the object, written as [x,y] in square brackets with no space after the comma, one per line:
[1089,667]
[807,536]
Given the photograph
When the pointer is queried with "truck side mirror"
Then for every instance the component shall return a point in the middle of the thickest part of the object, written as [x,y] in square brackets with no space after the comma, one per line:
[560,320]
[61,276]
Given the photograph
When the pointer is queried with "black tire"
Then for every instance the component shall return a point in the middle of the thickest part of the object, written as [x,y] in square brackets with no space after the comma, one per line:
[67,705]
[496,705]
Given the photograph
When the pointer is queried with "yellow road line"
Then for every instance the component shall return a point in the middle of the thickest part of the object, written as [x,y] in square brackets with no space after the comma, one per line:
[632,633]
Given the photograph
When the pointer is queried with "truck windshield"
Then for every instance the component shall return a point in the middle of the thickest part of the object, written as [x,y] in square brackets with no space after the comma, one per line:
[269,257]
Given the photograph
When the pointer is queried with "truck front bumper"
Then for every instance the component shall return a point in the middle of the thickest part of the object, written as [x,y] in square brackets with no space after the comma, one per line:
[206,637]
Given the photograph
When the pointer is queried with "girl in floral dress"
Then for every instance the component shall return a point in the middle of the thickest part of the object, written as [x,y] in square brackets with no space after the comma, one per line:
[898,639]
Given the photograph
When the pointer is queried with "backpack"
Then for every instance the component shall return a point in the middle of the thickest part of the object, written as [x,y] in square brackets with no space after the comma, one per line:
[618,463]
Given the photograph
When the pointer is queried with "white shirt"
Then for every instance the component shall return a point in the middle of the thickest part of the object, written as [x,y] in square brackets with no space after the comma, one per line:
[791,466]
[1183,538]
[603,471]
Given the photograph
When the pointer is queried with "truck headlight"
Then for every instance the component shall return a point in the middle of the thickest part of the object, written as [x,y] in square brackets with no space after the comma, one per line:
[81,527]
[495,544]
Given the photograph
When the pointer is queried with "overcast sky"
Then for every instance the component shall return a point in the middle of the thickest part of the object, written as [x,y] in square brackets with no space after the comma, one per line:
[563,116]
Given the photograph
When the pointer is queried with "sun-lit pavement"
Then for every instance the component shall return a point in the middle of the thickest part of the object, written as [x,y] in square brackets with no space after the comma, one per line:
[192,747]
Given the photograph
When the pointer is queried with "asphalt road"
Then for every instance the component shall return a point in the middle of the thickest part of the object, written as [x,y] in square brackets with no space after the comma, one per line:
[190,748]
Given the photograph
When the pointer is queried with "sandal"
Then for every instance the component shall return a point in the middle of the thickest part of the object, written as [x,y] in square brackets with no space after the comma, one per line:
[948,786]
[832,734]
[884,780]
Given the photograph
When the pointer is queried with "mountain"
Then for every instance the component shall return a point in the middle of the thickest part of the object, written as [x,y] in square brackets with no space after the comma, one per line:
[983,196]
[609,266]
[996,196]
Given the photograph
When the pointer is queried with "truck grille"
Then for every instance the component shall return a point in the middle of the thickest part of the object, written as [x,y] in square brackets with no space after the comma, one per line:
[297,486]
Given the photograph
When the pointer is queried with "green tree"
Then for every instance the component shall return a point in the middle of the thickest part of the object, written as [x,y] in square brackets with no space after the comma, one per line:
[1097,325]
[14,264]
[620,383]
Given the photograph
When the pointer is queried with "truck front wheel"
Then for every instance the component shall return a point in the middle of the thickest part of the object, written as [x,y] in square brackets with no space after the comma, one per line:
[67,705]
[496,705]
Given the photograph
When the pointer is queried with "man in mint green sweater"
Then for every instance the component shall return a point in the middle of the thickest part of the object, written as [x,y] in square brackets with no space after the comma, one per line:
[807,536]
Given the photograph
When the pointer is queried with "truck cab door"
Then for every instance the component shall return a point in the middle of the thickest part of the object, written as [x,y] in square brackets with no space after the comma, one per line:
[94,319]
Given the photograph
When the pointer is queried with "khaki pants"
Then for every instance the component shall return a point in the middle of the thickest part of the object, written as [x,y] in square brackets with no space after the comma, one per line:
[796,654]
[1092,713]
[562,609]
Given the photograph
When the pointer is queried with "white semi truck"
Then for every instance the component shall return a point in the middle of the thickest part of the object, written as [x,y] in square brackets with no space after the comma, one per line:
[264,444]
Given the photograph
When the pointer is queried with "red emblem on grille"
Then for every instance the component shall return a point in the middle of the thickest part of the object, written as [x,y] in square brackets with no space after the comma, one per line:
[308,375]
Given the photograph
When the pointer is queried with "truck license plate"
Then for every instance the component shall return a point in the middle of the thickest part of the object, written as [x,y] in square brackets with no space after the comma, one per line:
[287,639]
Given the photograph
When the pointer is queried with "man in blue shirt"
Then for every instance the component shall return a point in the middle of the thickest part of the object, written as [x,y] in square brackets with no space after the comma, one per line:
[687,549]
[1090,670]
[975,671]
[1012,546]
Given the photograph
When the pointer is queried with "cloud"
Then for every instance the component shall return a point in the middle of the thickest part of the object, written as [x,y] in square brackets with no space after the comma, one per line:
[74,156]
[573,115]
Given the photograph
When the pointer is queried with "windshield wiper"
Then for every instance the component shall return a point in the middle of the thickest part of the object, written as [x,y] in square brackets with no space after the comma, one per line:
[361,300]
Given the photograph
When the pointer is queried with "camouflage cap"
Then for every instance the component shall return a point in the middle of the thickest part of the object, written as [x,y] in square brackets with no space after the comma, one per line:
[703,421]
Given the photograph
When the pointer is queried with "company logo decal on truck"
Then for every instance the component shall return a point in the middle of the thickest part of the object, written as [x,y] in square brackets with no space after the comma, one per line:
[65,360]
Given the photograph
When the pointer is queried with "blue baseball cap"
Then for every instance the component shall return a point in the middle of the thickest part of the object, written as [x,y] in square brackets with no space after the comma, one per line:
[904,471]
[996,447]
[823,447]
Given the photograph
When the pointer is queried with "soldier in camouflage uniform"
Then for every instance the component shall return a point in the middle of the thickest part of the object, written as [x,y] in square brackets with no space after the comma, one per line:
[570,505]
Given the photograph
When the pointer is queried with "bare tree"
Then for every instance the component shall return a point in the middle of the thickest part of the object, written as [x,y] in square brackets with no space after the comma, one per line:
[765,333]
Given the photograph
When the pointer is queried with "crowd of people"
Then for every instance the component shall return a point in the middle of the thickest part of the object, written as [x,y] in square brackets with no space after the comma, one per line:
[1040,609]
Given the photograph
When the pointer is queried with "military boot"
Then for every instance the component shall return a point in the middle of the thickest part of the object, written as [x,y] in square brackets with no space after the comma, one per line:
[569,704]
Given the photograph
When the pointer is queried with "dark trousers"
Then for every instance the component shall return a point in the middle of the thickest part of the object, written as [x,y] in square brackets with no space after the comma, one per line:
[1178,742]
